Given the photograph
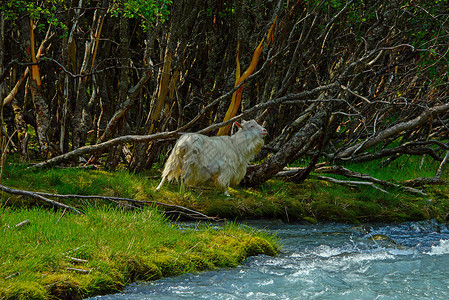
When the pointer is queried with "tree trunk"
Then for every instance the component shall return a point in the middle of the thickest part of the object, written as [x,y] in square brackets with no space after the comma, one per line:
[40,104]
[302,141]
[3,135]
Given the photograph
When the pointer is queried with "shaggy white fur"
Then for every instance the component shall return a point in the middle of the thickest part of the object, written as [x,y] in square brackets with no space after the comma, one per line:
[197,158]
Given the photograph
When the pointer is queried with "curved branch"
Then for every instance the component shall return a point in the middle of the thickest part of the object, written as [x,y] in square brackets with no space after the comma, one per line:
[393,130]
[72,155]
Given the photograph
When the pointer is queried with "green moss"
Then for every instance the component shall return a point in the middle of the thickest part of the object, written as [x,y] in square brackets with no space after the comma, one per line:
[101,284]
[141,268]
[310,220]
[255,246]
[63,286]
[333,212]
[22,290]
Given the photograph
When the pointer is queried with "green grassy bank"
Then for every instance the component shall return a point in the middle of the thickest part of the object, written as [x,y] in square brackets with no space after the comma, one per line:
[71,256]
[313,200]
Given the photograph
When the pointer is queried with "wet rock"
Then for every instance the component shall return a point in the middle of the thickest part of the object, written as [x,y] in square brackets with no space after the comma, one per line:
[382,237]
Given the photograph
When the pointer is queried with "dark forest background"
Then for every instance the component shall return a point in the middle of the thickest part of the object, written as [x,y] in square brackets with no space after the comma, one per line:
[113,82]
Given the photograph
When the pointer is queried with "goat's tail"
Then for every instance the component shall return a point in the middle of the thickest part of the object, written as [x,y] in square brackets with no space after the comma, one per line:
[173,167]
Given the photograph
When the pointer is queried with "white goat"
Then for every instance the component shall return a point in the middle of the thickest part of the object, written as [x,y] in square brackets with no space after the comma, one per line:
[197,158]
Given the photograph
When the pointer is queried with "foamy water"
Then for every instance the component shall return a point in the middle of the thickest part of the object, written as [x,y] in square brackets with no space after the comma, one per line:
[325,261]
[440,249]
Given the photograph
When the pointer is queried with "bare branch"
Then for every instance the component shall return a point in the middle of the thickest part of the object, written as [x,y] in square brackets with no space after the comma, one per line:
[393,130]
[352,183]
[348,173]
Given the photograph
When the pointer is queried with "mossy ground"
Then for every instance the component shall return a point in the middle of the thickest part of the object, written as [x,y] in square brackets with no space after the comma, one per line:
[314,200]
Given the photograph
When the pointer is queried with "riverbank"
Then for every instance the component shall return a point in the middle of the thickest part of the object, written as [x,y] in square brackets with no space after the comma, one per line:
[67,256]
[325,261]
[339,198]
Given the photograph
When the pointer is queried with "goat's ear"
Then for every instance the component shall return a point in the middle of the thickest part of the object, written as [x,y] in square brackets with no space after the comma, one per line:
[238,124]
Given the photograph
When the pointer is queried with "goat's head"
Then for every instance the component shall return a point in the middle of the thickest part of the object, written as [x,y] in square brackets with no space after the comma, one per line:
[253,126]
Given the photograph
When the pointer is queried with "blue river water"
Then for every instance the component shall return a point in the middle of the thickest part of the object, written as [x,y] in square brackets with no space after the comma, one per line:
[324,261]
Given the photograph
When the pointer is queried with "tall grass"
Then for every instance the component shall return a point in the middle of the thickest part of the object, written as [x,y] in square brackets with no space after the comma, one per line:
[401,169]
[74,181]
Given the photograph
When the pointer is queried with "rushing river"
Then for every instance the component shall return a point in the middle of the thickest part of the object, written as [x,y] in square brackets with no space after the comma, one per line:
[325,261]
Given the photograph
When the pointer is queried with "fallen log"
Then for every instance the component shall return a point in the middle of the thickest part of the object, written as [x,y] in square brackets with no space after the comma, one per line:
[43,196]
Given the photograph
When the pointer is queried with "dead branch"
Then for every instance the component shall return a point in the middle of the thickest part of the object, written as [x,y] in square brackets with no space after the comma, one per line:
[339,170]
[43,196]
[289,171]
[37,196]
[393,130]
[77,260]
[408,148]
[73,155]
[180,209]
[442,164]
[23,224]
[77,270]
[352,183]
[420,181]
[12,275]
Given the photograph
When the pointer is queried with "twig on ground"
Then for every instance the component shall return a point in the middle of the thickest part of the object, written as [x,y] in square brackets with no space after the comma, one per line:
[352,183]
[82,271]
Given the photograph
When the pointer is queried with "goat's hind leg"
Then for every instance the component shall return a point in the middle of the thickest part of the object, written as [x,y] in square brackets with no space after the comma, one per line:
[222,182]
